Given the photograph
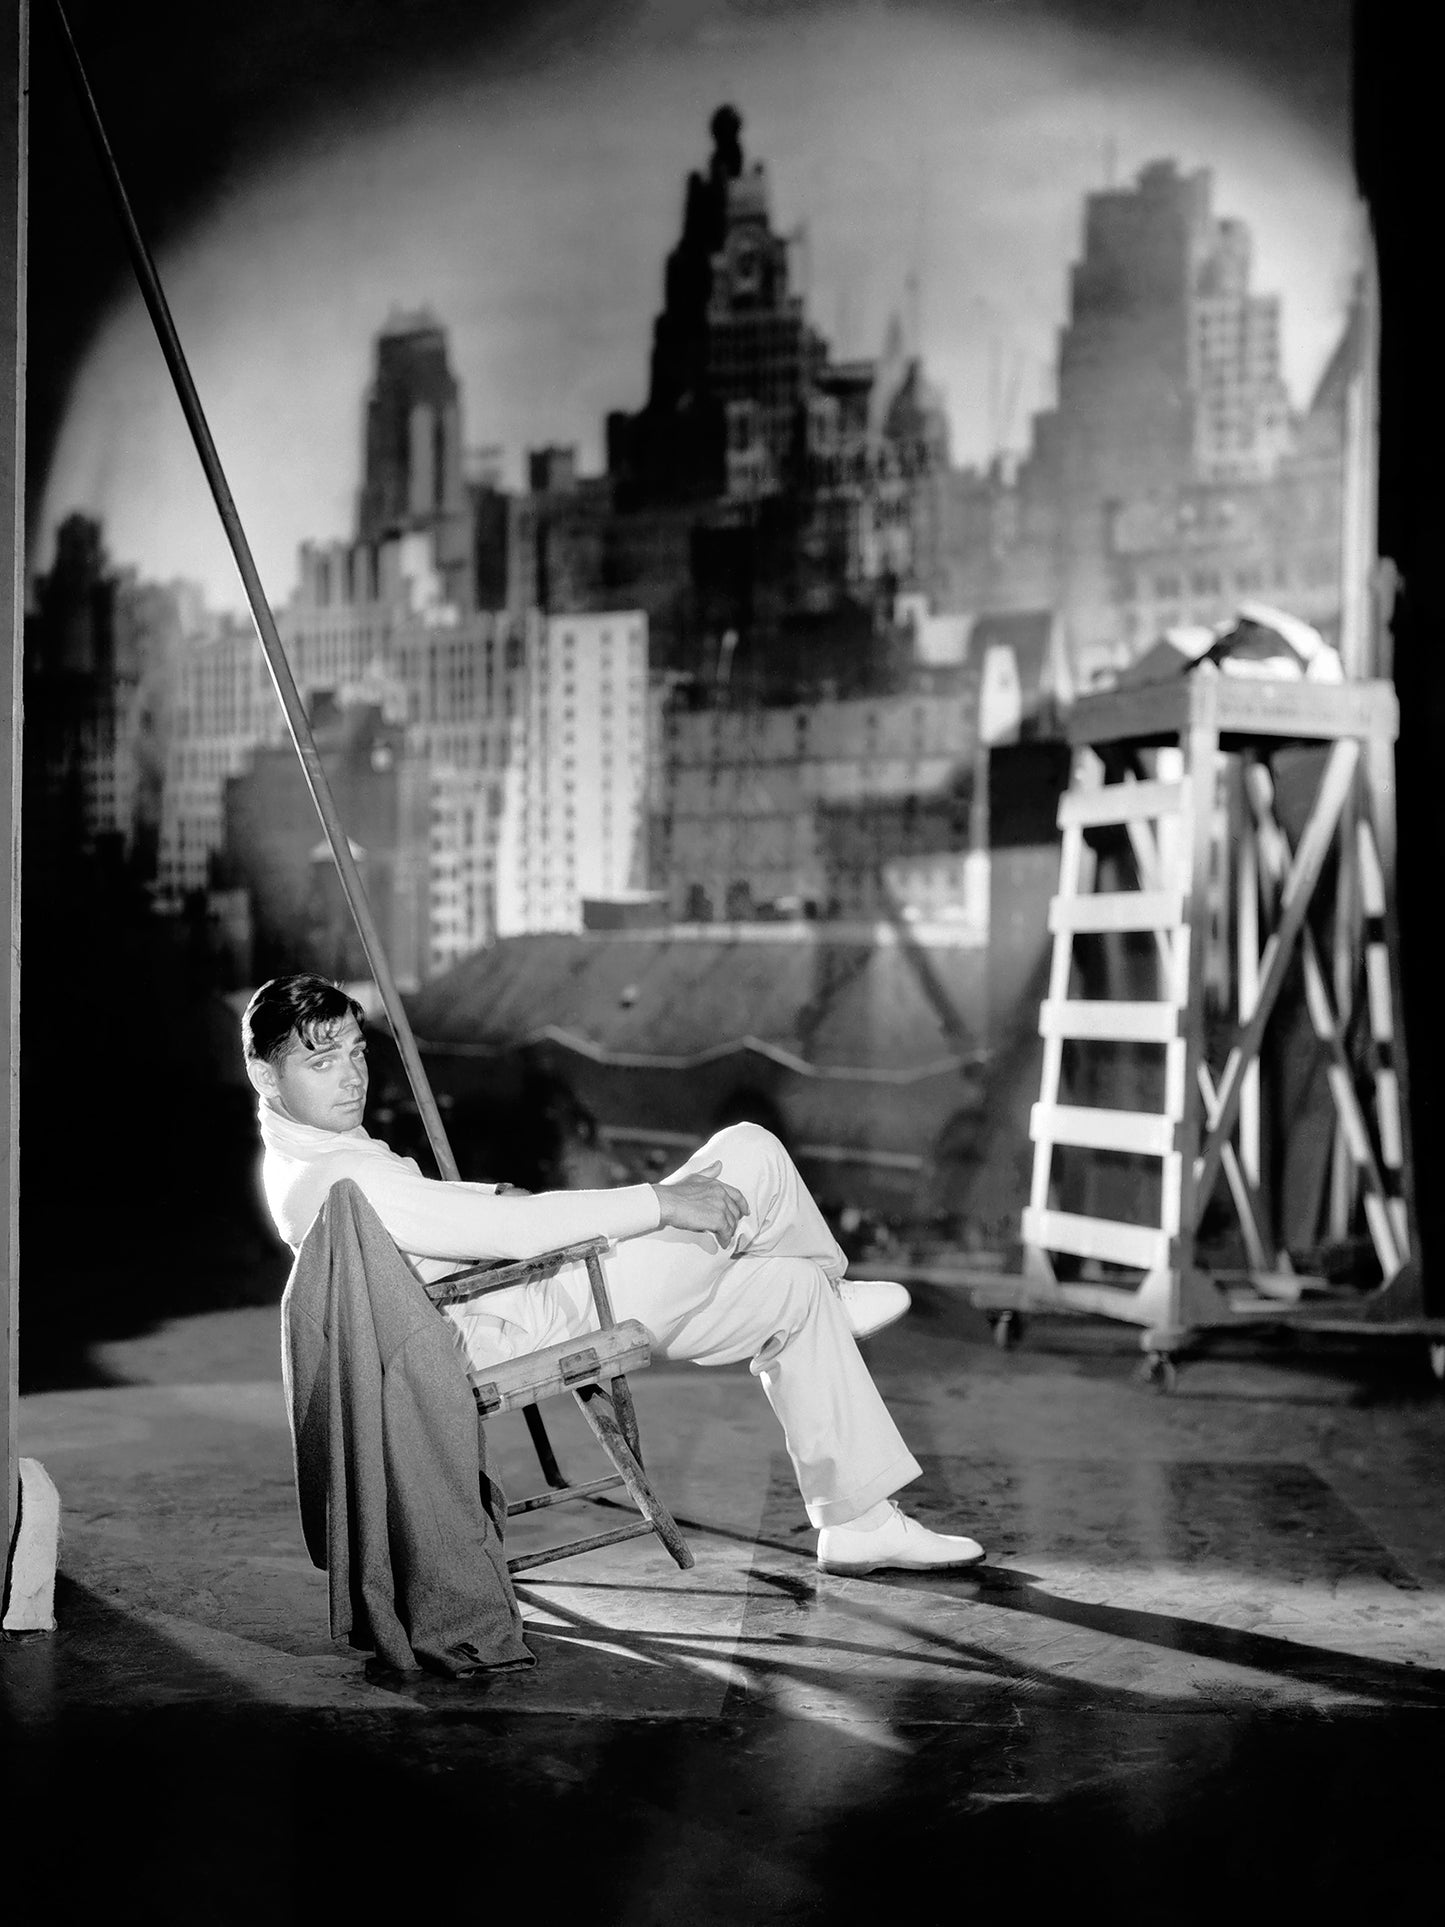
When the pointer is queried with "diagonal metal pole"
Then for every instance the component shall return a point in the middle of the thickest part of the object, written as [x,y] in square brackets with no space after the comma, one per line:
[296,720]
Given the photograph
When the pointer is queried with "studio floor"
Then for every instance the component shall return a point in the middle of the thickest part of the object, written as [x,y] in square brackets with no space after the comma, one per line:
[1204,1667]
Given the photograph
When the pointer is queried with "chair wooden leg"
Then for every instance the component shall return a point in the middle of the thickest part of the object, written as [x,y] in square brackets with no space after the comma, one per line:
[621,1393]
[597,1409]
[546,1457]
[626,1415]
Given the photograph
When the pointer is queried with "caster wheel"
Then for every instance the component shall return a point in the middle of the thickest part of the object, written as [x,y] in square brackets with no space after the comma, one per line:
[1437,1361]
[1008,1329]
[1159,1370]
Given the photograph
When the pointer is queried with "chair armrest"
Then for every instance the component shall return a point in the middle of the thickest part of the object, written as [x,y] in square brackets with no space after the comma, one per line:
[476,1281]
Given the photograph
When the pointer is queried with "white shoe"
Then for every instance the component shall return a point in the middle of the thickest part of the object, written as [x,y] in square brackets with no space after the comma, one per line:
[900,1543]
[871,1303]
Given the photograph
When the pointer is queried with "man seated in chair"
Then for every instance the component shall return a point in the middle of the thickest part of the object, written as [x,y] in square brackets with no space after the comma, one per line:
[727,1259]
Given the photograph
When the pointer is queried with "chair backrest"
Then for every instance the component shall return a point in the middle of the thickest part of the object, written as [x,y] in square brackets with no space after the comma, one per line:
[475,1281]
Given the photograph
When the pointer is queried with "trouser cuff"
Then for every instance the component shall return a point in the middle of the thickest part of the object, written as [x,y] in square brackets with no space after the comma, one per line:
[837,1512]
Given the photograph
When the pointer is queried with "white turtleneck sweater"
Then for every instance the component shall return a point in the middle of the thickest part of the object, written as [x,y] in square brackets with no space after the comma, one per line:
[439,1226]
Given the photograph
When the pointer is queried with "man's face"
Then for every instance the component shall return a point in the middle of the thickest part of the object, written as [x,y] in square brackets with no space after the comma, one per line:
[324,1083]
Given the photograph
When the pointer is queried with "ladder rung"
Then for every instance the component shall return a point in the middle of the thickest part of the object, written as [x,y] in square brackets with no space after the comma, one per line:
[1142,1132]
[1111,1022]
[1120,803]
[1118,910]
[1143,1246]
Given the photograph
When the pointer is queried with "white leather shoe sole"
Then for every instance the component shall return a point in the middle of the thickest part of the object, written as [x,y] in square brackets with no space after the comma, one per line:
[872,1304]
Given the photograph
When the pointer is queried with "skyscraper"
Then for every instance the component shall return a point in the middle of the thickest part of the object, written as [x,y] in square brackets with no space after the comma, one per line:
[1168,364]
[811,485]
[576,786]
[413,480]
[674,445]
[100,653]
[1163,482]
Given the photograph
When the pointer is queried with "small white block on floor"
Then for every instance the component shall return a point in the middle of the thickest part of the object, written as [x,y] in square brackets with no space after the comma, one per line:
[30,1582]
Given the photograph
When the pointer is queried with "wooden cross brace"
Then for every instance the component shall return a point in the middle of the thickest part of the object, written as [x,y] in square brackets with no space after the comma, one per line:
[1386,1233]
[1295,895]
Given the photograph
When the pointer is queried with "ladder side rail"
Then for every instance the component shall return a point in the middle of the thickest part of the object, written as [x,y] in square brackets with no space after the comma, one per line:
[1246,946]
[1345,954]
[1201,775]
[1071,868]
[1378,809]
[1382,1002]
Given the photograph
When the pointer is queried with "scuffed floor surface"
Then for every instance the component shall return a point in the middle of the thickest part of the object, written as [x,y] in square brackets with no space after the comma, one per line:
[1204,1668]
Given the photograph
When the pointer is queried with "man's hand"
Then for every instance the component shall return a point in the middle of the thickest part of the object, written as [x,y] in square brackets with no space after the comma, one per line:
[702,1202]
[512,1191]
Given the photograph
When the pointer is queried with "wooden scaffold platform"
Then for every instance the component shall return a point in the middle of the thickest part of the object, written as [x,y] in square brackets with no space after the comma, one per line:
[1157,1154]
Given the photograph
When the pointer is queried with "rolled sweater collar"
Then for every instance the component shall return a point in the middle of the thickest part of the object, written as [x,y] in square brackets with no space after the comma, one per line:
[304,1142]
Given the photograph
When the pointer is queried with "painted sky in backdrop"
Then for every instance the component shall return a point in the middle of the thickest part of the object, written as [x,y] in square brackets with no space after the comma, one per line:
[530,203]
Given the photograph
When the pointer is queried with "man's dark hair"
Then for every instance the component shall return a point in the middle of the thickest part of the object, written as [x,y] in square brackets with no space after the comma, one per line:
[287,1007]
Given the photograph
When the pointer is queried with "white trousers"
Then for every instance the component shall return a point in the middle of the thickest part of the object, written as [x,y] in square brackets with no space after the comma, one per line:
[769,1298]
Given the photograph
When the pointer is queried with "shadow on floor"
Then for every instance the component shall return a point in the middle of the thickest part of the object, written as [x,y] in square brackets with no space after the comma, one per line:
[220,1807]
[775,1642]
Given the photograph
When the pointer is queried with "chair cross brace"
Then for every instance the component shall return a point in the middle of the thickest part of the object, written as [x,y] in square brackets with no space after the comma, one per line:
[579,1367]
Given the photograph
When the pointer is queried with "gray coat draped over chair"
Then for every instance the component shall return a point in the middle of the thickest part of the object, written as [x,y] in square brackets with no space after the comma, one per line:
[396,1505]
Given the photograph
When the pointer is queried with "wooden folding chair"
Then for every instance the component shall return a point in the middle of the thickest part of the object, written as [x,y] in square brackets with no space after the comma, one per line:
[594,1369]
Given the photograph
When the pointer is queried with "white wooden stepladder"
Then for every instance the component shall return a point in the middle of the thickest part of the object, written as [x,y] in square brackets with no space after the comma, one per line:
[1225,901]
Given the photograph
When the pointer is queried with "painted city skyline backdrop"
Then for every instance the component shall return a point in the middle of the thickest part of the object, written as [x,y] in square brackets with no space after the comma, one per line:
[935,164]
